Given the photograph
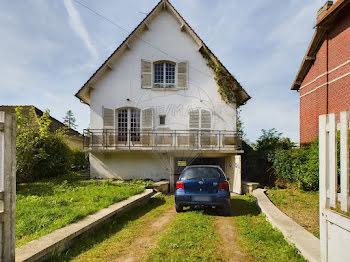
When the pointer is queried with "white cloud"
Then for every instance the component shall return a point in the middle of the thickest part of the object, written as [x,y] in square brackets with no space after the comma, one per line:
[79,28]
[47,55]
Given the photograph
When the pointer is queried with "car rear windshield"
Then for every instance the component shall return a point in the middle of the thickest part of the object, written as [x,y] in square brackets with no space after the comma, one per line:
[201,173]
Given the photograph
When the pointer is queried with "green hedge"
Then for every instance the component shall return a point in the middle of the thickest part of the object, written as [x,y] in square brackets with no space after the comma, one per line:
[298,166]
[40,153]
[79,161]
[257,160]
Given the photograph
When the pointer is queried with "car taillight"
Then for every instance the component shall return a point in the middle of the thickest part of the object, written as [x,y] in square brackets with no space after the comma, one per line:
[179,185]
[223,185]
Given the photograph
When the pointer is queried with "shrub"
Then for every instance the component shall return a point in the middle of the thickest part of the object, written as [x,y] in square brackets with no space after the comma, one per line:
[40,153]
[78,160]
[258,159]
[298,166]
[289,165]
[309,176]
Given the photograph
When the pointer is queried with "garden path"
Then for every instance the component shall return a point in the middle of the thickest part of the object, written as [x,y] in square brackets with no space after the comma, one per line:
[137,249]
[231,250]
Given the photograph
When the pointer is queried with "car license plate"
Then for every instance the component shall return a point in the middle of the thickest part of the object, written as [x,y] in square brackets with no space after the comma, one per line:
[201,198]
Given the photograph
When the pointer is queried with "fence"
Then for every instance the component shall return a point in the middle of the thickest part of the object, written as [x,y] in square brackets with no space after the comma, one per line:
[7,186]
[137,139]
[334,187]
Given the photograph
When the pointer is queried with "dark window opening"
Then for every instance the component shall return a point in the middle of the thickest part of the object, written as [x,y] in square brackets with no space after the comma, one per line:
[162,120]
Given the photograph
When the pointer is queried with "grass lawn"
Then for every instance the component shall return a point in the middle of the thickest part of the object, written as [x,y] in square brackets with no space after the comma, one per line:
[299,205]
[43,207]
[256,235]
[113,237]
[191,237]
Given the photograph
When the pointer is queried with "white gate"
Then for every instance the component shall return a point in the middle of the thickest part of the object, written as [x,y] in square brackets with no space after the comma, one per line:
[334,188]
[7,186]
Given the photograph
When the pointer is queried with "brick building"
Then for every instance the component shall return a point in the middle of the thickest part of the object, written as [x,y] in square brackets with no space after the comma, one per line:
[323,79]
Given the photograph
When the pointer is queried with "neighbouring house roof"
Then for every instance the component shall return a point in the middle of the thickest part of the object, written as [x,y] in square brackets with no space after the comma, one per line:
[323,22]
[55,124]
[84,93]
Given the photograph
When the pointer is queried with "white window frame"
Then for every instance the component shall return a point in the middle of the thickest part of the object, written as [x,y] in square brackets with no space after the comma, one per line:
[164,84]
[128,123]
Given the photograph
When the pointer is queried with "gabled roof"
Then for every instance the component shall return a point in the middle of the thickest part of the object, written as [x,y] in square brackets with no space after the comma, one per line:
[84,93]
[322,25]
[55,124]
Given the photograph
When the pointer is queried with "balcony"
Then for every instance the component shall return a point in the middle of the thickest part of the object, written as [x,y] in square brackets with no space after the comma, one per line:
[169,140]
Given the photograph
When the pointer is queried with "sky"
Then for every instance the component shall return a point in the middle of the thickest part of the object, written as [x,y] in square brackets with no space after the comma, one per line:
[50,48]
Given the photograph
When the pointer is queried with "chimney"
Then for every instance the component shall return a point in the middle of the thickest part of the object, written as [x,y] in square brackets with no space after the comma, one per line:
[323,10]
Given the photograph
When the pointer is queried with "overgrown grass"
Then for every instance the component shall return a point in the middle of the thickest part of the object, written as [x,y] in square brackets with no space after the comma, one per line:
[256,235]
[301,206]
[104,244]
[43,207]
[191,237]
[338,209]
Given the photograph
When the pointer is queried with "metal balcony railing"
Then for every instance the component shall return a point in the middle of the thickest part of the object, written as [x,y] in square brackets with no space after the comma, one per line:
[111,139]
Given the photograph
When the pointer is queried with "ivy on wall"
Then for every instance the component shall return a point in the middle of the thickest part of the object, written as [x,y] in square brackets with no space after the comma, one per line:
[226,82]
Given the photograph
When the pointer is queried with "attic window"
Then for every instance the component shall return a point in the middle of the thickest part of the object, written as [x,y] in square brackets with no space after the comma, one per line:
[164,75]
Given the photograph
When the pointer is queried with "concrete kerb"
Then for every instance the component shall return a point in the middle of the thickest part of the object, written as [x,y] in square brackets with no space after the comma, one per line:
[304,241]
[161,186]
[61,239]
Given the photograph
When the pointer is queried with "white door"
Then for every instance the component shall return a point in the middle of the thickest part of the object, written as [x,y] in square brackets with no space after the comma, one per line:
[128,125]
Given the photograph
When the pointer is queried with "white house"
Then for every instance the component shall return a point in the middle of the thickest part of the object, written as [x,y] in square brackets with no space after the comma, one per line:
[156,105]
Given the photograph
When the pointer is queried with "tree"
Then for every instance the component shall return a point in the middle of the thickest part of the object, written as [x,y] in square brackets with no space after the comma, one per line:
[259,161]
[271,140]
[69,120]
[40,153]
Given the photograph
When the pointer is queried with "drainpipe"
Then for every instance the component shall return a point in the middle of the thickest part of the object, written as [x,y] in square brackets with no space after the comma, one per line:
[327,70]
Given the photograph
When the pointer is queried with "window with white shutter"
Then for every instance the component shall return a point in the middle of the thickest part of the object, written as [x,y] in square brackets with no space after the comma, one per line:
[147,118]
[182,75]
[108,118]
[194,119]
[200,119]
[146,74]
[205,119]
[205,138]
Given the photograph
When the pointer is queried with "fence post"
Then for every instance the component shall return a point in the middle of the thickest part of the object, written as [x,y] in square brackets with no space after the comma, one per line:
[8,184]
[323,167]
[344,160]
[332,158]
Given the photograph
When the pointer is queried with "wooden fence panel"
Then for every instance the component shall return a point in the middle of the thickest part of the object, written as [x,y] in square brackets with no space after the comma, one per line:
[332,159]
[344,161]
[323,149]
[7,186]
[334,227]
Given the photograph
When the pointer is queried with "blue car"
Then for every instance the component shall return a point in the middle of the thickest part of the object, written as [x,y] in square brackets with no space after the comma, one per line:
[203,186]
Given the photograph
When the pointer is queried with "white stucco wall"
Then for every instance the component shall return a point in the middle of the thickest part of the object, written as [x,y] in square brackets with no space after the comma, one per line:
[124,81]
[130,165]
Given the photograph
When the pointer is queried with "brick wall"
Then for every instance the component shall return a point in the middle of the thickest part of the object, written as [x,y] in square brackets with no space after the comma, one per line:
[313,92]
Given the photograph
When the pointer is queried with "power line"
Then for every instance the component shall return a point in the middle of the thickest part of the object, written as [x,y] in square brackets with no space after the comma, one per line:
[127,31]
[100,15]
[150,44]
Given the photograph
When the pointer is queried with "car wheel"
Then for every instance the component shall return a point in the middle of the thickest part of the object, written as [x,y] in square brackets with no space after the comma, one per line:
[225,211]
[179,208]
